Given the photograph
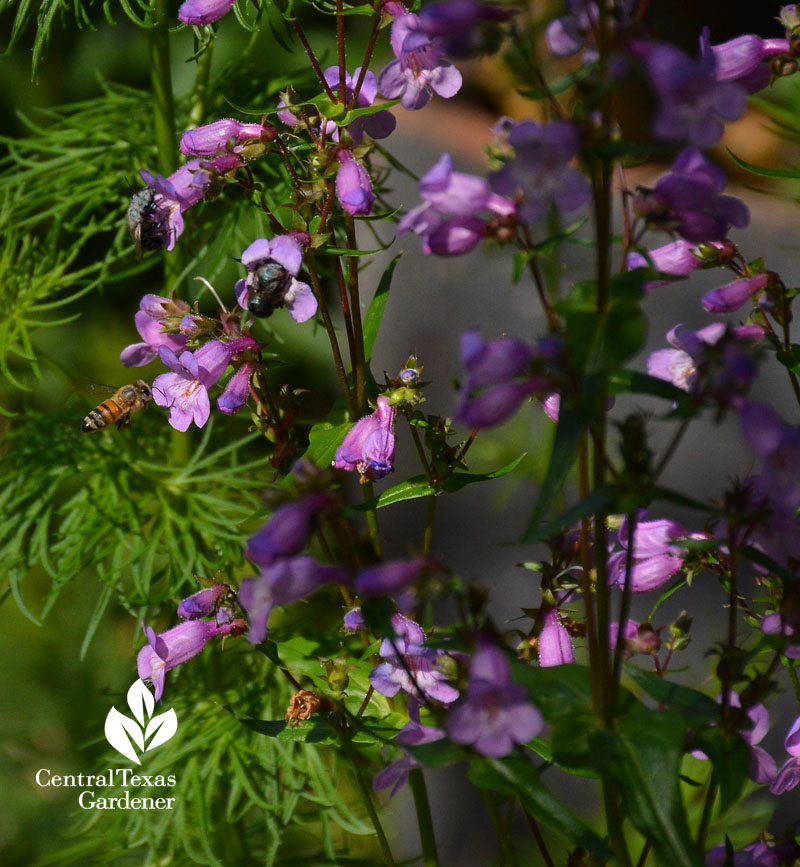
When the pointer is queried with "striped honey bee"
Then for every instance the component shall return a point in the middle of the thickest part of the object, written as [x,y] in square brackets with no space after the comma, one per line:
[118,408]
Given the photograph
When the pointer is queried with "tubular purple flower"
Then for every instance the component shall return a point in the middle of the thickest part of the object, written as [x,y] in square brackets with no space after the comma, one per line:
[236,392]
[174,647]
[153,338]
[789,775]
[211,139]
[734,295]
[410,666]
[203,603]
[491,393]
[496,714]
[694,103]
[457,24]
[288,530]
[185,390]
[675,258]
[778,446]
[555,645]
[353,185]
[354,620]
[419,68]
[282,582]
[789,627]
[200,12]
[387,578]
[656,557]
[688,200]
[368,447]
[740,59]
[446,192]
[567,35]
[539,175]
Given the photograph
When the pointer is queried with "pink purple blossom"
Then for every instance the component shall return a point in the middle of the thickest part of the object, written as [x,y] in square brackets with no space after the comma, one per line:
[419,68]
[288,530]
[728,298]
[555,645]
[741,59]
[449,219]
[150,323]
[539,176]
[213,138]
[368,447]
[688,200]
[185,389]
[496,715]
[201,12]
[410,666]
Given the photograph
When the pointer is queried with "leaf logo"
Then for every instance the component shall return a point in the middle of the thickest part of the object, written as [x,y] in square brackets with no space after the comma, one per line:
[127,735]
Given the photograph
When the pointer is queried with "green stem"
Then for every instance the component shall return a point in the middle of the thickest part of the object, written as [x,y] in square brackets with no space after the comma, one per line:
[705,819]
[506,844]
[430,518]
[372,521]
[795,682]
[319,294]
[198,101]
[366,795]
[540,841]
[359,362]
[163,114]
[416,781]
[625,605]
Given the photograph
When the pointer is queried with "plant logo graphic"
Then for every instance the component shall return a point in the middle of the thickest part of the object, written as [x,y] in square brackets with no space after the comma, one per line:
[127,735]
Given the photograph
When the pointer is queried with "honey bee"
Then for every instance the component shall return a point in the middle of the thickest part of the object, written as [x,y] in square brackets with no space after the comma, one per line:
[118,409]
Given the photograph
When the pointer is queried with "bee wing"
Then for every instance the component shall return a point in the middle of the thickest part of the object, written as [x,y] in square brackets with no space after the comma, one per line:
[92,386]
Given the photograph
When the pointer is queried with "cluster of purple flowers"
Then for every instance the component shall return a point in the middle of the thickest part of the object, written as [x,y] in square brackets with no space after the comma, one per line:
[169,649]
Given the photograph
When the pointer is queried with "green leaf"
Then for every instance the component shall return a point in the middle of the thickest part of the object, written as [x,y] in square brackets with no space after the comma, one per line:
[560,84]
[323,440]
[460,480]
[642,755]
[599,500]
[731,759]
[764,172]
[518,777]
[416,486]
[346,251]
[565,450]
[624,381]
[558,691]
[571,746]
[372,321]
[367,110]
[437,753]
[325,106]
[697,708]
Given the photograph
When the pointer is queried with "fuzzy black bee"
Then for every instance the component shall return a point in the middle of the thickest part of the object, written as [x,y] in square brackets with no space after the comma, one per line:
[145,221]
[267,289]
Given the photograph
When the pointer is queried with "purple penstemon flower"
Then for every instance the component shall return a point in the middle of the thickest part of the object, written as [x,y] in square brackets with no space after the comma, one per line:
[389,577]
[410,666]
[271,281]
[200,12]
[688,200]
[567,35]
[787,626]
[789,775]
[203,603]
[732,296]
[395,775]
[496,715]
[716,350]
[778,446]
[554,645]
[353,184]
[283,581]
[236,392]
[539,175]
[693,103]
[449,218]
[212,139]
[185,389]
[368,447]
[498,379]
[288,530]
[176,646]
[419,68]
[740,59]
[656,557]
[354,621]
[461,25]
[149,321]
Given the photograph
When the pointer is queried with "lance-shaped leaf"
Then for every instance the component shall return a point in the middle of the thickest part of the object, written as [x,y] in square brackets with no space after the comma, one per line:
[372,321]
[120,730]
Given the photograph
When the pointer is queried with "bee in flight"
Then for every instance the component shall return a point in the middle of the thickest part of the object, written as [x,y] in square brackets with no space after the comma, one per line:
[118,409]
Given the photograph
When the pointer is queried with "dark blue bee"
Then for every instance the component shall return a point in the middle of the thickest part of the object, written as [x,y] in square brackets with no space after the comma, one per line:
[267,289]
